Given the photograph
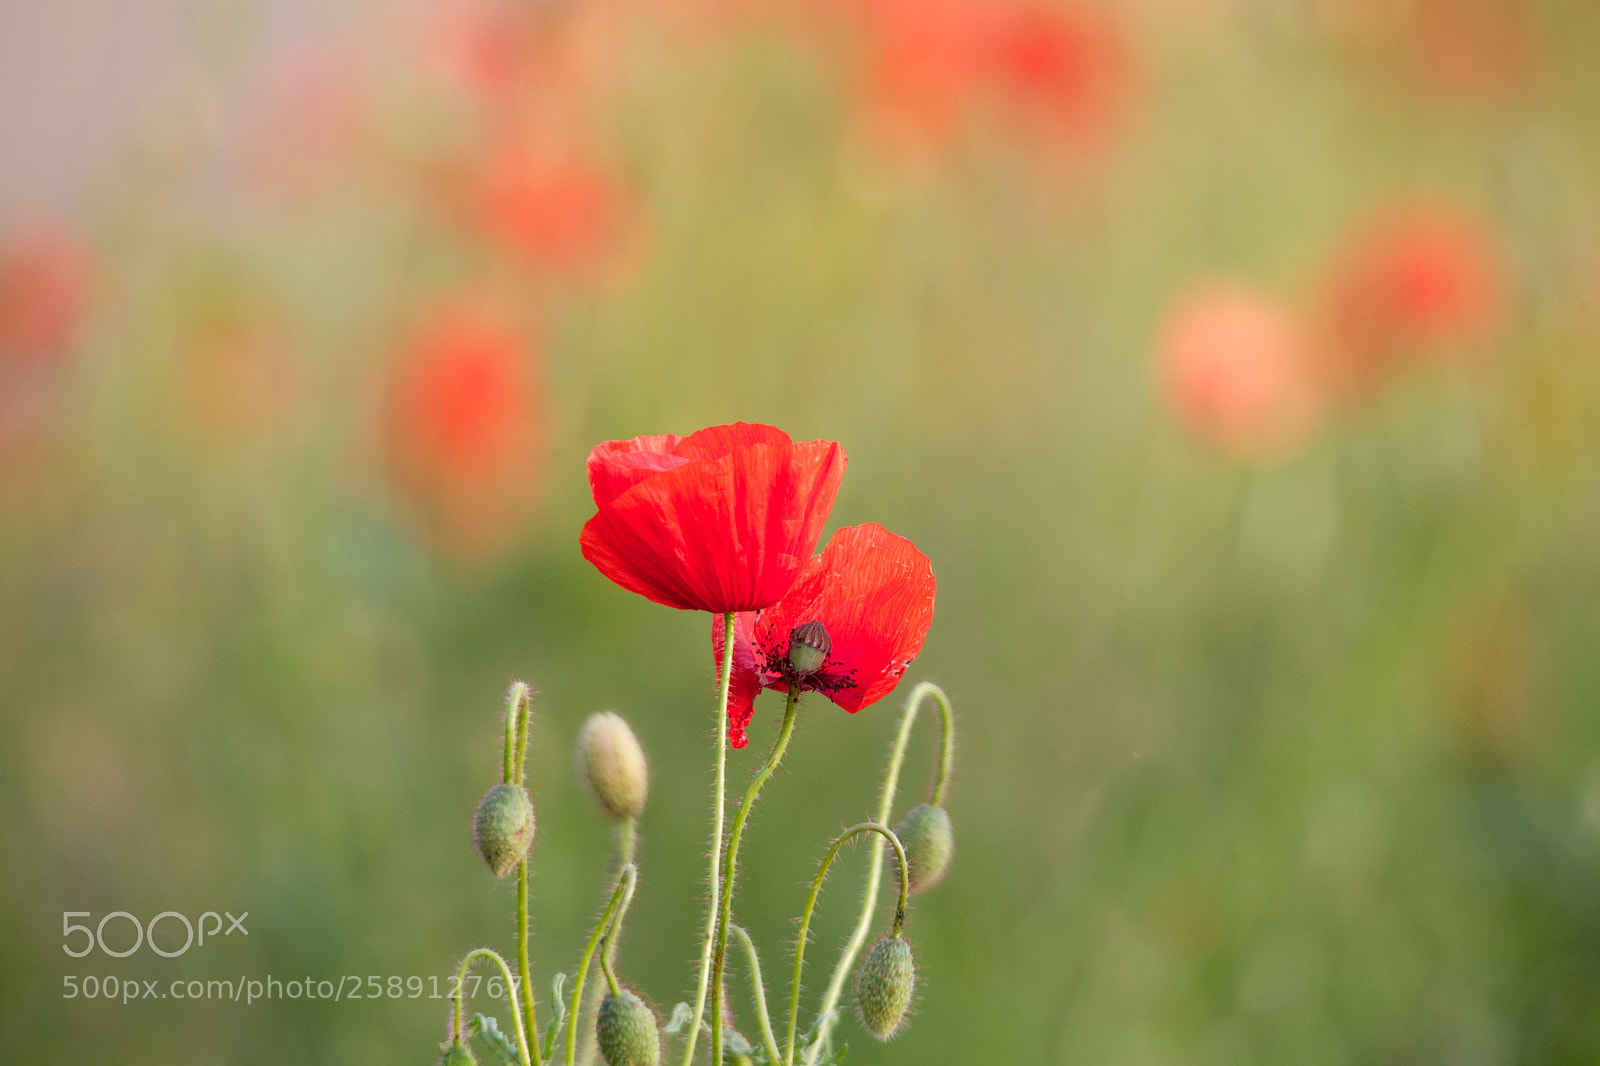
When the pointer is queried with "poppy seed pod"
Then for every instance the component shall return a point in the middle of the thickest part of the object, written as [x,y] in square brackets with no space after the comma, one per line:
[809,645]
[626,1031]
[883,987]
[925,834]
[503,827]
[458,1055]
[611,763]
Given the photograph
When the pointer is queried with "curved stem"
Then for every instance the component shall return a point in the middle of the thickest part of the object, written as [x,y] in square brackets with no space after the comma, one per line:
[519,720]
[718,802]
[511,996]
[869,900]
[758,990]
[605,967]
[625,883]
[725,908]
[811,903]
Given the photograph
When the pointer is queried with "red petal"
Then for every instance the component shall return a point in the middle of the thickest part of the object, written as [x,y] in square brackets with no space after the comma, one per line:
[617,465]
[744,685]
[719,534]
[874,592]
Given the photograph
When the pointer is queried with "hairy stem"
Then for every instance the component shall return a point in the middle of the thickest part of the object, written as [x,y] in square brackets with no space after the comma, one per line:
[511,997]
[725,908]
[759,992]
[624,887]
[869,901]
[811,904]
[718,802]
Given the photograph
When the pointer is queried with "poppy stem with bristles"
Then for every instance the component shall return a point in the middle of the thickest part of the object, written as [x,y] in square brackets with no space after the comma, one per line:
[725,908]
[511,998]
[620,897]
[869,902]
[719,801]
[811,904]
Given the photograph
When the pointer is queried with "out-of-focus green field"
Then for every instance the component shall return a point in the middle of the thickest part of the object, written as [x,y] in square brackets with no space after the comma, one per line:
[1287,758]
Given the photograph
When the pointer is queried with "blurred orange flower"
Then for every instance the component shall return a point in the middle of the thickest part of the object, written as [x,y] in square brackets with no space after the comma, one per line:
[1235,366]
[466,425]
[1422,281]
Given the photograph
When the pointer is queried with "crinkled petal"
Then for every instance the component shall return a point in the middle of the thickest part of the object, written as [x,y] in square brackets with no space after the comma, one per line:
[874,591]
[744,684]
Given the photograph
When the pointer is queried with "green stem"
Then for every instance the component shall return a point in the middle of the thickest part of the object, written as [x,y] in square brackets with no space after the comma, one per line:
[605,967]
[725,908]
[758,990]
[625,884]
[520,712]
[523,969]
[869,902]
[811,903]
[511,996]
[719,801]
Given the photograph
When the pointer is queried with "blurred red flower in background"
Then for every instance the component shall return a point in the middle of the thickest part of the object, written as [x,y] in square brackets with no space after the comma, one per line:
[1236,369]
[466,425]
[923,61]
[1064,71]
[1059,72]
[564,213]
[45,276]
[872,590]
[720,520]
[1422,281]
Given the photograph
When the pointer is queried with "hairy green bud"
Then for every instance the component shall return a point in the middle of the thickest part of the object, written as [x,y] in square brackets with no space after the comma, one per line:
[925,834]
[612,764]
[503,827]
[626,1031]
[809,646]
[458,1055]
[883,987]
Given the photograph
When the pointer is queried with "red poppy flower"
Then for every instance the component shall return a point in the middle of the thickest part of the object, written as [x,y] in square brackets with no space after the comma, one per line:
[720,520]
[466,424]
[561,213]
[871,591]
[44,289]
[1426,280]
[1064,70]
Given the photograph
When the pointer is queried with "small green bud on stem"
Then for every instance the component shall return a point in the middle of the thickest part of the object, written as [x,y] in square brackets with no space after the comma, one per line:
[884,986]
[458,1055]
[611,763]
[929,843]
[809,646]
[626,1031]
[503,827]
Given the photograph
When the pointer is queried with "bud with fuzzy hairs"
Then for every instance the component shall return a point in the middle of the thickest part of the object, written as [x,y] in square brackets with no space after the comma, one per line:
[610,761]
[626,1031]
[930,845]
[458,1055]
[503,827]
[884,985]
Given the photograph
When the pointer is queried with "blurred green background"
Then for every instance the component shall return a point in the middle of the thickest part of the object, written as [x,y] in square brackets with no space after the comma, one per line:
[309,316]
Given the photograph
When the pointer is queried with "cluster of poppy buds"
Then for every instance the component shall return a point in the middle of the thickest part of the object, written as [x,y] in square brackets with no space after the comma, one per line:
[726,521]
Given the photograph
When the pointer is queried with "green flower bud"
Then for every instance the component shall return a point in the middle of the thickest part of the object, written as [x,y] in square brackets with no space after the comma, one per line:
[503,827]
[925,834]
[626,1031]
[612,764]
[808,648]
[883,987]
[458,1055]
